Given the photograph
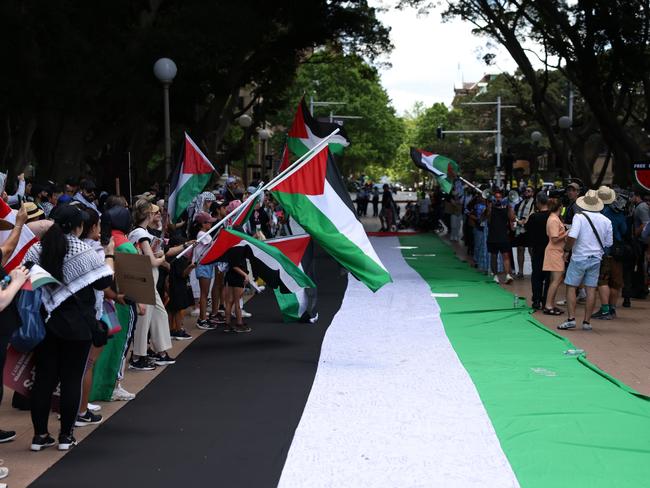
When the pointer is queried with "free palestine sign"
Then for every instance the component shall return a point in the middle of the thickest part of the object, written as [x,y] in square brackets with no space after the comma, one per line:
[642,173]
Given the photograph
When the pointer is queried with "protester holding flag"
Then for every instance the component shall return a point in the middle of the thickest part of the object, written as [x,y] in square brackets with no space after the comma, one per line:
[236,279]
[71,320]
[204,272]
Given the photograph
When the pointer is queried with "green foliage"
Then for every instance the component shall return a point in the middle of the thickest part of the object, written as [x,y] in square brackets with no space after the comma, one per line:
[331,76]
[80,86]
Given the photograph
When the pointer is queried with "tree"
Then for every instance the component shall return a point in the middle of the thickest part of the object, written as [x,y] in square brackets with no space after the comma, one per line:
[600,46]
[347,78]
[82,90]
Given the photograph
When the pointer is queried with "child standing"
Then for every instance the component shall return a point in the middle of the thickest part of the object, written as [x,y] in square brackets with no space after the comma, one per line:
[180,292]
[204,272]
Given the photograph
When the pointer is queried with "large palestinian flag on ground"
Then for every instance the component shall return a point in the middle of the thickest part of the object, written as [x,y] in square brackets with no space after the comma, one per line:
[25,241]
[268,263]
[315,197]
[189,178]
[299,306]
[306,132]
[444,169]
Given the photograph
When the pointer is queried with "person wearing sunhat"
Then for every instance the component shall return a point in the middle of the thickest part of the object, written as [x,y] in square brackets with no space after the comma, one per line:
[610,281]
[588,239]
[34,213]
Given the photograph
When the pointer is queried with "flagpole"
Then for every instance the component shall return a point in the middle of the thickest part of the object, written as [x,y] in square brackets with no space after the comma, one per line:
[301,161]
[222,221]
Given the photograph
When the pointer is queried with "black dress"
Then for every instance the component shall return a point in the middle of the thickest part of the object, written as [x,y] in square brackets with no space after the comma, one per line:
[236,257]
[180,292]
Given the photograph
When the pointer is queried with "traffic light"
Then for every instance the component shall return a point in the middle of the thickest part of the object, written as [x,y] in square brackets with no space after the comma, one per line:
[440,132]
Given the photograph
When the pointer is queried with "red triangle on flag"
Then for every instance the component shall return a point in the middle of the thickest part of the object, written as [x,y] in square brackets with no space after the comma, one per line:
[309,179]
[195,162]
[292,247]
[298,128]
[224,241]
[285,159]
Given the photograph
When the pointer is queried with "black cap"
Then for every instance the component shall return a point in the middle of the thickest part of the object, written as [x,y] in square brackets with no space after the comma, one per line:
[69,217]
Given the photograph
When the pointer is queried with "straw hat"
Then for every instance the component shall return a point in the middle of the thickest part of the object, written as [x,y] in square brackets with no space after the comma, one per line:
[33,211]
[590,202]
[606,194]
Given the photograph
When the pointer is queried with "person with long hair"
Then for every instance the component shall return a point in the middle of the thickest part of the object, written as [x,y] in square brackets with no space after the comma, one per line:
[554,254]
[154,322]
[71,318]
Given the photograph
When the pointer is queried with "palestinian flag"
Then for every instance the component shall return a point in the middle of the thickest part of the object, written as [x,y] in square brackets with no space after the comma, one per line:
[299,306]
[316,198]
[306,132]
[245,210]
[189,178]
[443,168]
[39,277]
[25,241]
[268,262]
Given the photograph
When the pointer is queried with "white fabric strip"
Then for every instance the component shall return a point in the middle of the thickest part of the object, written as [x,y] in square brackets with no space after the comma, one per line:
[391,404]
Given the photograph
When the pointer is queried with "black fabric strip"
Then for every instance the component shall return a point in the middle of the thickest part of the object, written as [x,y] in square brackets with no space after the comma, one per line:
[223,415]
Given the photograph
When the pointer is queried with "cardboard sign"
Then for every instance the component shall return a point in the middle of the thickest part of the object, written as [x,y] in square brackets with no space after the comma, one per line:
[134,278]
[642,173]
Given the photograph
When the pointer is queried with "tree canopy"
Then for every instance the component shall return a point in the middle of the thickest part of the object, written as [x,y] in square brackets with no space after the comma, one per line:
[82,92]
[600,46]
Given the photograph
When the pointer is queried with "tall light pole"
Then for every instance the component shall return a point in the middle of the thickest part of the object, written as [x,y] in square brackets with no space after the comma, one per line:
[245,121]
[565,123]
[165,70]
[262,148]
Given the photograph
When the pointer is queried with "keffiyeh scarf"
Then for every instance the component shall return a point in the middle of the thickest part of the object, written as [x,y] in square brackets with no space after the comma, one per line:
[82,266]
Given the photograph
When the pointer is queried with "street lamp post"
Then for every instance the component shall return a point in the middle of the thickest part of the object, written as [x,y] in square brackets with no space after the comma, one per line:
[263,135]
[565,123]
[165,70]
[245,121]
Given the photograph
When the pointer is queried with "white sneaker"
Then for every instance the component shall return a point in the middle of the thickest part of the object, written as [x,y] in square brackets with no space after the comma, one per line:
[195,312]
[586,326]
[509,279]
[120,394]
[496,279]
[4,472]
[246,314]
[561,302]
[94,407]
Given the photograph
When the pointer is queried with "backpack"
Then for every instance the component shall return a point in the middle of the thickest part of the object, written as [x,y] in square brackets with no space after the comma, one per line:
[32,329]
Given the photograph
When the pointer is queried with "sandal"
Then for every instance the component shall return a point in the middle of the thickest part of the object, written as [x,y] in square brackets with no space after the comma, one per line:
[552,311]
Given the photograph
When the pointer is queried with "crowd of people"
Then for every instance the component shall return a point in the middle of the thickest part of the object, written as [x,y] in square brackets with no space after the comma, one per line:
[92,331]
[594,242]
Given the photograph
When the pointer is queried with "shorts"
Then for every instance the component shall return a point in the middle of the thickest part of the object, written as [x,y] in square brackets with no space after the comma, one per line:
[234,280]
[585,272]
[499,247]
[221,266]
[520,241]
[205,271]
[611,273]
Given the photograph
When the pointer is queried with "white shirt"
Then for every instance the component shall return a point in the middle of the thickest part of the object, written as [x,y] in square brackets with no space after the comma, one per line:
[203,243]
[586,244]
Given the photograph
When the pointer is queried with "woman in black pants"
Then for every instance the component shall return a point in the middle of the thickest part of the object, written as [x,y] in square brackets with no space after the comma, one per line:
[70,310]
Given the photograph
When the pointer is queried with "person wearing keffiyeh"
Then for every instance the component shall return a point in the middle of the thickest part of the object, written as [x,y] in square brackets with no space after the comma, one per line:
[71,315]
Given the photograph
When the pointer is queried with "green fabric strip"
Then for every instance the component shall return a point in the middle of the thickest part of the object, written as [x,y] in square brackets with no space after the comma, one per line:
[560,420]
